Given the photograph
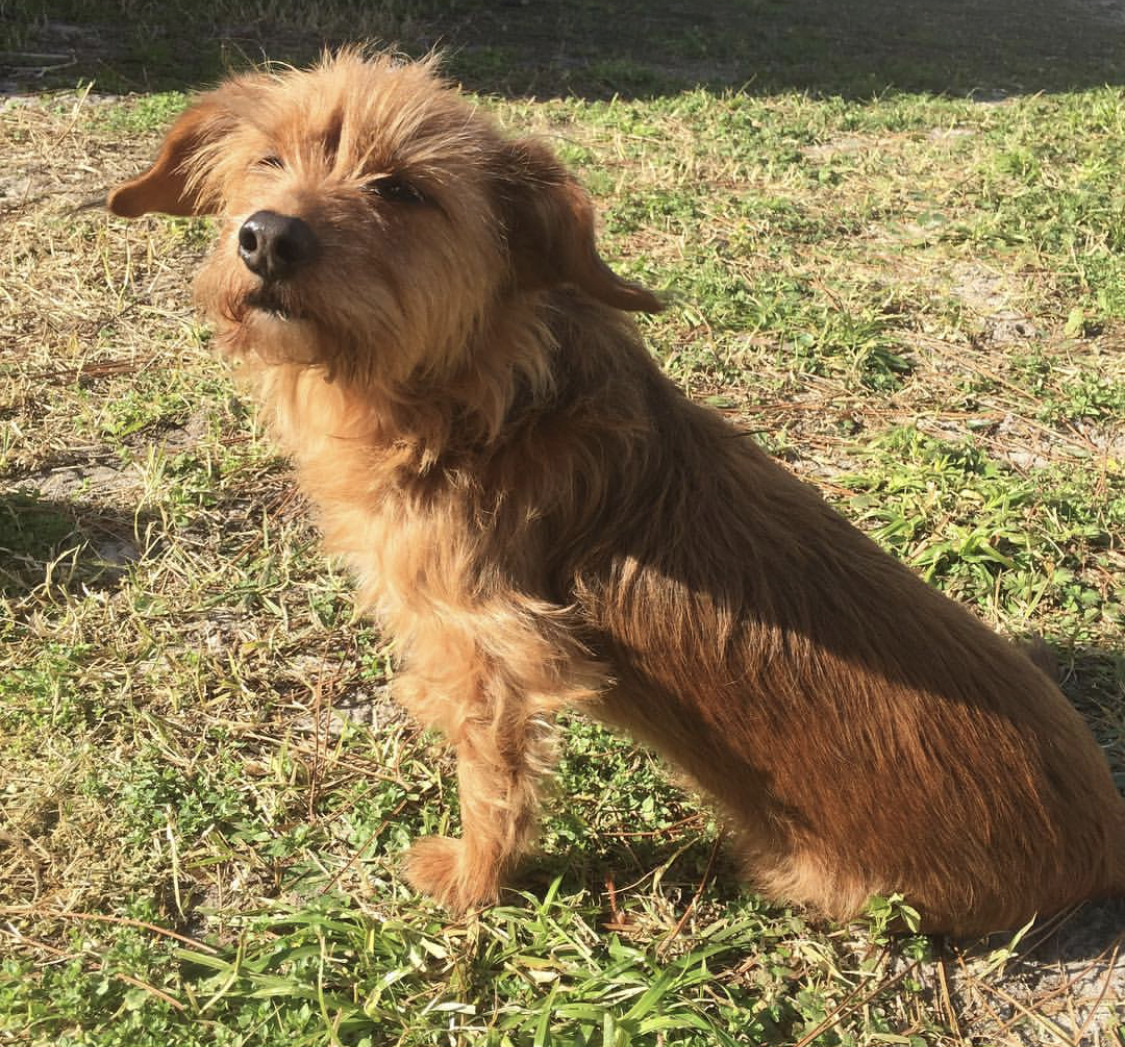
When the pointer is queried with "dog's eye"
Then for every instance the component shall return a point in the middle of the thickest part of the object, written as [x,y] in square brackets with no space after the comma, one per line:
[271,161]
[394,189]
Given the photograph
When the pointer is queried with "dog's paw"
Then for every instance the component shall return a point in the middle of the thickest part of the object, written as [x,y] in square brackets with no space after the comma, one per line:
[439,866]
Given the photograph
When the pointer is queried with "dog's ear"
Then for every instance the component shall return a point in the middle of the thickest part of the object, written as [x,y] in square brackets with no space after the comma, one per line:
[549,224]
[167,186]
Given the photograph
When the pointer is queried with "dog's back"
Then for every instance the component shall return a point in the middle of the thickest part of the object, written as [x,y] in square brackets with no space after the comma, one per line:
[867,733]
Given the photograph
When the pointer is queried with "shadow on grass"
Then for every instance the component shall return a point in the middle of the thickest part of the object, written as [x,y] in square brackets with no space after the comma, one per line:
[1093,678]
[63,544]
[588,49]
[630,859]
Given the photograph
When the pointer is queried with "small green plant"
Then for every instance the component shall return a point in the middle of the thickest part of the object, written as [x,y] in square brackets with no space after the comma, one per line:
[891,913]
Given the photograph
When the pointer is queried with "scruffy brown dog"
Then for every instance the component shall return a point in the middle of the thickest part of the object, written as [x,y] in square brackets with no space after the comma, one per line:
[541,519]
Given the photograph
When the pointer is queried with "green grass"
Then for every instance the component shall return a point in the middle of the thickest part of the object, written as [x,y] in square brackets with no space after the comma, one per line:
[915,300]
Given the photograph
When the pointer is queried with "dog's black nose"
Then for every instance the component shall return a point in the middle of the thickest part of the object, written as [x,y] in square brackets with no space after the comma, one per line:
[274,245]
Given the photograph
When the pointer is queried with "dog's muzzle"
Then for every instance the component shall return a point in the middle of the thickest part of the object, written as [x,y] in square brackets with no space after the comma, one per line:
[274,246]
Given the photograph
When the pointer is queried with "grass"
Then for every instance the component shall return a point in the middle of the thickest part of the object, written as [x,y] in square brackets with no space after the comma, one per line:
[917,301]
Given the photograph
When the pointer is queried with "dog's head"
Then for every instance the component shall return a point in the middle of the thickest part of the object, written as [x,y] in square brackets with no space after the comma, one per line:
[372,217]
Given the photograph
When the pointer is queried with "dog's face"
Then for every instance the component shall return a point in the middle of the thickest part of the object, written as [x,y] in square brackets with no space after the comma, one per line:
[372,218]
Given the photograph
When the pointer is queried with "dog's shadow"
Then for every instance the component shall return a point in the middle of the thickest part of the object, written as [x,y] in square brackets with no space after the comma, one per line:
[64,545]
[626,861]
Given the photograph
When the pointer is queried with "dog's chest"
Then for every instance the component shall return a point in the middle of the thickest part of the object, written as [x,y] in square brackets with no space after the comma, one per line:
[407,544]
[410,558]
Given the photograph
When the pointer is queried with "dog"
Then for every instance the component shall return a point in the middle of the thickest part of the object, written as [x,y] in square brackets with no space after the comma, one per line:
[541,520]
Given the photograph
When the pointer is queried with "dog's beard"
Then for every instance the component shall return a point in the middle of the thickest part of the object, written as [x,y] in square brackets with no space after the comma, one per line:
[277,324]
[263,324]
[253,319]
[277,303]
[371,335]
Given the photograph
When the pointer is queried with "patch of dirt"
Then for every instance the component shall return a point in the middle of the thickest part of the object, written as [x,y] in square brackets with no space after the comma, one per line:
[990,295]
[950,134]
[993,298]
[982,291]
[1065,985]
[184,437]
[97,482]
[840,146]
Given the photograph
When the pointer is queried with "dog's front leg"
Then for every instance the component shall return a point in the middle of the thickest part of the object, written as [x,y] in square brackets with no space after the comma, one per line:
[498,764]
[496,704]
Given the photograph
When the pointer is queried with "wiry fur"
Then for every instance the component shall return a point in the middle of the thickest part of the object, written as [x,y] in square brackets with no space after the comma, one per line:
[541,519]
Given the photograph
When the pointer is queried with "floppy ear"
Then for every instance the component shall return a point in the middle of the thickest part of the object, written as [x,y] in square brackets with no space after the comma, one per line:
[550,231]
[166,186]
